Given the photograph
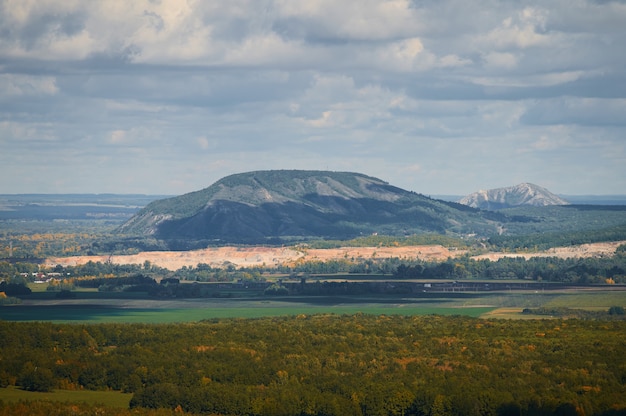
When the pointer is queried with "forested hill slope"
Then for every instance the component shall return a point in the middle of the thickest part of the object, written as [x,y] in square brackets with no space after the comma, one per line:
[253,206]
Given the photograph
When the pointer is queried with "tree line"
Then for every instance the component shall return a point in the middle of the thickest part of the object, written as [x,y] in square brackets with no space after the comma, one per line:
[611,269]
[526,229]
[550,269]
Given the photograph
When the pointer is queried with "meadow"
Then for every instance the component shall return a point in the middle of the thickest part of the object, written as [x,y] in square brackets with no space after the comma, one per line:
[90,306]
[12,394]
[193,311]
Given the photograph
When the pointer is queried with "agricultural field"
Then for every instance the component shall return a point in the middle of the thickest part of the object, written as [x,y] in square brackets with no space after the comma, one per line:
[90,306]
[137,311]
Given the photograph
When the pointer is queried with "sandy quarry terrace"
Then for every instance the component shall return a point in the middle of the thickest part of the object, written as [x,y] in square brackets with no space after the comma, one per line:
[275,256]
[580,251]
[257,256]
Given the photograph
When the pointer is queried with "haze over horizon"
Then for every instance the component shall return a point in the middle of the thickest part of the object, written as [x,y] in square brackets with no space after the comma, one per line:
[437,97]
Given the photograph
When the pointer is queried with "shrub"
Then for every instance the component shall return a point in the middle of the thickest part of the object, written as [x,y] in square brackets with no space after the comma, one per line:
[35,378]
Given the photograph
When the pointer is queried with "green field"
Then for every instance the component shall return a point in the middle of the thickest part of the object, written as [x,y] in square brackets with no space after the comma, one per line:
[100,313]
[95,307]
[117,399]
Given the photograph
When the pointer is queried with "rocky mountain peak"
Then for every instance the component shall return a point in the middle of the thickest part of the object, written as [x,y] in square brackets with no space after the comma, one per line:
[512,196]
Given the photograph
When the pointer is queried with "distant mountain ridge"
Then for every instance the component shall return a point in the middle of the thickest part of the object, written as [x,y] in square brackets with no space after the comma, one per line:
[512,196]
[253,206]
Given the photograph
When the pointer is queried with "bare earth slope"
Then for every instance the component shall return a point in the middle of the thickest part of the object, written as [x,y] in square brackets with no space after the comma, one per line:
[274,256]
[580,251]
[256,256]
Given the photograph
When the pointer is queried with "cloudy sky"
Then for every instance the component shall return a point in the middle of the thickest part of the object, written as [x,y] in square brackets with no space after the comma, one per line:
[437,97]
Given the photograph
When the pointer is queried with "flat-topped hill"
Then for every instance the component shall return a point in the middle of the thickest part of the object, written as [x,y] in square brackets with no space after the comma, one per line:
[294,204]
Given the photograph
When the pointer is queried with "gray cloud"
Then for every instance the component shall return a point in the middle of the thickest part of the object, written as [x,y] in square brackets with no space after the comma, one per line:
[439,97]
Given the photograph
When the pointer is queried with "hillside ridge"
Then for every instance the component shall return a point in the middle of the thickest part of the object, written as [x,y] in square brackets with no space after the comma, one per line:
[255,206]
[512,196]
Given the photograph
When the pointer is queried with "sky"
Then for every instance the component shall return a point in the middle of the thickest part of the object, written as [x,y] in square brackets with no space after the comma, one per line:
[440,97]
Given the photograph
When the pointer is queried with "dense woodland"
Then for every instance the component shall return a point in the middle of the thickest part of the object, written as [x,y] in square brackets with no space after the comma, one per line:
[333,365]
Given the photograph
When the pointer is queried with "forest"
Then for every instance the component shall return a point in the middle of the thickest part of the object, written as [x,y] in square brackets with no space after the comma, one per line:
[332,365]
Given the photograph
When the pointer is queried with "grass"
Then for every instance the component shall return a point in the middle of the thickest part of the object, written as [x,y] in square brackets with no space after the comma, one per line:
[511,307]
[115,399]
[82,293]
[507,313]
[595,300]
[99,313]
[96,307]
[38,287]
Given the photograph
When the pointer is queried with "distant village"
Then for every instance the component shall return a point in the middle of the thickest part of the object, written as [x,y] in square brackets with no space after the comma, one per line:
[41,277]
